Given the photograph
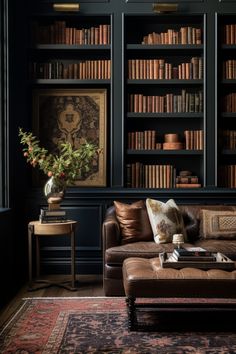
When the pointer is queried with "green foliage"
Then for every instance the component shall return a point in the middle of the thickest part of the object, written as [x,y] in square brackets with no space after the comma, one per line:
[67,166]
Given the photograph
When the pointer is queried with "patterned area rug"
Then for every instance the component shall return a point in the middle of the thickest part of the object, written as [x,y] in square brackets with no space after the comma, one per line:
[99,325]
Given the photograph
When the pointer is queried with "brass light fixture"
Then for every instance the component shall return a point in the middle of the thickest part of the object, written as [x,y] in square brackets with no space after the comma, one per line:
[164,8]
[67,7]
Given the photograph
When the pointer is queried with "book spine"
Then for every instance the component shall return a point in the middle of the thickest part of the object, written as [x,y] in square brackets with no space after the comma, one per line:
[185,253]
[197,258]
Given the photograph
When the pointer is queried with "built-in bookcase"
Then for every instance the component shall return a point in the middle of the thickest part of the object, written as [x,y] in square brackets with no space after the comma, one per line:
[70,49]
[226,103]
[164,94]
[70,56]
[31,65]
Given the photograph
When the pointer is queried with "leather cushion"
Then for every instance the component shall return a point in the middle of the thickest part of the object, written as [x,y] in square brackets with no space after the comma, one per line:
[146,278]
[116,255]
[227,247]
[218,224]
[134,222]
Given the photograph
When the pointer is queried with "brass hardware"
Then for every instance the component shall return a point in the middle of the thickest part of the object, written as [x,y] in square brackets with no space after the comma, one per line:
[160,8]
[66,7]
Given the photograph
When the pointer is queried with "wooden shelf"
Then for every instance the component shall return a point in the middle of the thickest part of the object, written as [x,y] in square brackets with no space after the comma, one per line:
[229,82]
[165,115]
[228,152]
[228,115]
[164,152]
[70,81]
[181,47]
[228,46]
[70,47]
[165,82]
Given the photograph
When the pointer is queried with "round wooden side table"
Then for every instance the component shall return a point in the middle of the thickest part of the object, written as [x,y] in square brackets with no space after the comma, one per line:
[36,229]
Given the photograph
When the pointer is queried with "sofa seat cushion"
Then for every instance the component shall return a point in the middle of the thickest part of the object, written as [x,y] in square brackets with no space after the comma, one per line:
[116,255]
[227,247]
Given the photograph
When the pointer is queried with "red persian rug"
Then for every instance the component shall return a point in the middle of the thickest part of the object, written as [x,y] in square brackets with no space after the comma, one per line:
[99,325]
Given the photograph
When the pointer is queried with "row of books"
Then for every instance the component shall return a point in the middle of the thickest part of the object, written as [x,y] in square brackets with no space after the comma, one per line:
[194,139]
[89,69]
[60,33]
[52,216]
[139,175]
[160,69]
[185,35]
[146,140]
[229,139]
[229,102]
[169,103]
[229,69]
[227,176]
[229,34]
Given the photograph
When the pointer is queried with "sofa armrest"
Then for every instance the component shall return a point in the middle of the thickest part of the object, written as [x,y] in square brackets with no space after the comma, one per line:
[110,230]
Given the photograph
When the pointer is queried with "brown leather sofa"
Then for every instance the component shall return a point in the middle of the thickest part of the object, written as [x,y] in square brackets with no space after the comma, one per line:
[114,252]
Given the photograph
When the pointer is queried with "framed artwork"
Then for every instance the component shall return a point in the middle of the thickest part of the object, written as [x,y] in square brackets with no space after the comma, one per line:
[73,115]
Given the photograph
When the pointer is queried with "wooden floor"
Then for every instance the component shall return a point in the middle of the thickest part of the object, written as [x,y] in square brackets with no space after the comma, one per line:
[87,285]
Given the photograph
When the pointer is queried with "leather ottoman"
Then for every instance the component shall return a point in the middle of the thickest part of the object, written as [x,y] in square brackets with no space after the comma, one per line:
[145,278]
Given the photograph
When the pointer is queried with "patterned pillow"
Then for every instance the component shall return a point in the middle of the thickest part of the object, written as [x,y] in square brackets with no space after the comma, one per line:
[166,220]
[218,224]
[134,222]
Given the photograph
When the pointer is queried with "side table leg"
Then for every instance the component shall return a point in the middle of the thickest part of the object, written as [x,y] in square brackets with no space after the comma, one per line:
[37,256]
[73,258]
[30,234]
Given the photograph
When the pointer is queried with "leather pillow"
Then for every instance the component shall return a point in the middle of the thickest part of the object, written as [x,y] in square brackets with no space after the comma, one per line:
[166,220]
[218,224]
[134,222]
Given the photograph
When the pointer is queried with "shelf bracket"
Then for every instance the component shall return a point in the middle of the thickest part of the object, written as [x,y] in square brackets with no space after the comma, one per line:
[164,7]
[66,7]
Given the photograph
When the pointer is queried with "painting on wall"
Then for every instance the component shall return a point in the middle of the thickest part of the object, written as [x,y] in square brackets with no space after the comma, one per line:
[73,115]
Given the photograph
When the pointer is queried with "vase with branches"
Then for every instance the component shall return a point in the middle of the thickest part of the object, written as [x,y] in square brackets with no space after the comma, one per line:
[63,168]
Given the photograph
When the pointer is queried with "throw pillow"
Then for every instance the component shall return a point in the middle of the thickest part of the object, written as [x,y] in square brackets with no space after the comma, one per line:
[218,224]
[165,219]
[134,222]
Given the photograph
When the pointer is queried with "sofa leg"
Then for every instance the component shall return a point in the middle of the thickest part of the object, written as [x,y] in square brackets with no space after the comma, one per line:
[132,318]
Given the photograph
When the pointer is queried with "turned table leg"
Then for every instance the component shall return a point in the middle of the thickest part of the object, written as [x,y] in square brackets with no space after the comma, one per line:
[132,318]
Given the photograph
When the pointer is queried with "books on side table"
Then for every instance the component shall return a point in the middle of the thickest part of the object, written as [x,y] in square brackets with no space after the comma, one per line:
[52,216]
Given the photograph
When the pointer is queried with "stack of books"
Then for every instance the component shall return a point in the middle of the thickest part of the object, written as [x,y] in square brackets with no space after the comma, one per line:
[193,254]
[52,216]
